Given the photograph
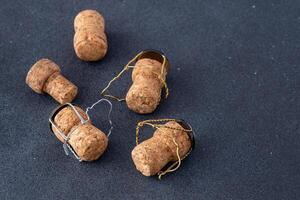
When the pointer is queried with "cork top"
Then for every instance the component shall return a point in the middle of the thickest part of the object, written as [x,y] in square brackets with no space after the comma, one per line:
[155,55]
[182,137]
[65,119]
[39,73]
[89,18]
[148,68]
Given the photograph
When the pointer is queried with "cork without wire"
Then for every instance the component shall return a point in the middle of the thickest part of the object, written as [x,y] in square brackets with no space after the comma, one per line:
[90,42]
[153,154]
[45,76]
[87,141]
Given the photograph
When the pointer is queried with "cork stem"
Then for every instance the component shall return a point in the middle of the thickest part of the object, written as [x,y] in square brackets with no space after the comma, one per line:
[60,88]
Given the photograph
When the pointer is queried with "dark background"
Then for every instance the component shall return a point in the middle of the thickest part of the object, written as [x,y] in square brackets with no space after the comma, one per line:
[234,76]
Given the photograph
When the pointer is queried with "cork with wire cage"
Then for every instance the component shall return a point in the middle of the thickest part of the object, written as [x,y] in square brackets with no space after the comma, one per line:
[170,142]
[148,77]
[87,141]
[149,73]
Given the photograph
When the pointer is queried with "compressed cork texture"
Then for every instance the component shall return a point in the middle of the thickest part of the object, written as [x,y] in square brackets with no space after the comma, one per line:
[60,88]
[44,76]
[153,154]
[90,42]
[87,141]
[145,93]
[39,73]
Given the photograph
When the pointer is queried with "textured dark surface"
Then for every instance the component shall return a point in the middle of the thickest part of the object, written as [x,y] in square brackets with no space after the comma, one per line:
[235,77]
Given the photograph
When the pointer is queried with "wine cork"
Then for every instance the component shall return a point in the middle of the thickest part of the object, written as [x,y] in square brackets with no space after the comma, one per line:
[90,42]
[87,141]
[153,154]
[147,76]
[45,76]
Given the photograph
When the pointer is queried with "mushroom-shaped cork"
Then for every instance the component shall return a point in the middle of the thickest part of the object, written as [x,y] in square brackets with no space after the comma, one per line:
[153,154]
[90,42]
[45,76]
[87,141]
[148,75]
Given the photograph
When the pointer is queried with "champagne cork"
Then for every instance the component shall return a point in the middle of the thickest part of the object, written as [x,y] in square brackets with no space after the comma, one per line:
[148,76]
[45,76]
[153,154]
[90,42]
[87,141]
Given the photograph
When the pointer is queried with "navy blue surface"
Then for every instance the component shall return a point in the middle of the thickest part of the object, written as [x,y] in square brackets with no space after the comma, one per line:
[234,76]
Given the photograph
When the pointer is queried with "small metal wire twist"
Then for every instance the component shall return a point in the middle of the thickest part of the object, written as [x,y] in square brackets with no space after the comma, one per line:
[108,115]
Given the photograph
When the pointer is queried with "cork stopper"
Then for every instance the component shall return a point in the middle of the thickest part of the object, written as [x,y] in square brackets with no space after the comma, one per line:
[88,142]
[90,42]
[153,154]
[45,76]
[145,93]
